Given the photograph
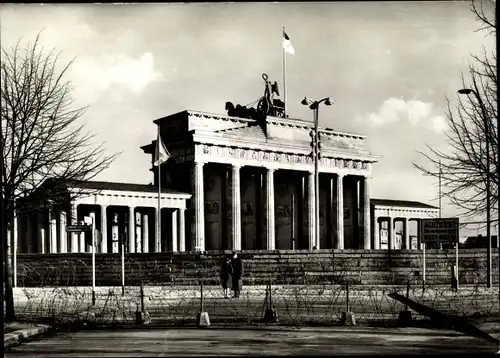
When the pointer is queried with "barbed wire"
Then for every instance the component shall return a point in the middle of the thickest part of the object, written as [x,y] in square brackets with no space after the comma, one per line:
[304,294]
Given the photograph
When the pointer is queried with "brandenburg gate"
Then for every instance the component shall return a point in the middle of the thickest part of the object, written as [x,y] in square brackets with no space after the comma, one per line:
[252,182]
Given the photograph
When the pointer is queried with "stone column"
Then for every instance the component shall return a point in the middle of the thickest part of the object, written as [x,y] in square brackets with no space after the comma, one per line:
[419,234]
[235,208]
[376,233]
[390,234]
[92,215]
[365,199]
[15,233]
[81,238]
[340,212]
[407,234]
[175,236]
[53,231]
[29,235]
[138,231]
[104,228]
[72,221]
[145,233]
[198,231]
[63,235]
[157,247]
[181,216]
[131,229]
[41,235]
[311,206]
[270,228]
[115,234]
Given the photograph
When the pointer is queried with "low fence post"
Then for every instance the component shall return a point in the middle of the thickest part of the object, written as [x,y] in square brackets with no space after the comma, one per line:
[348,318]
[142,297]
[202,318]
[405,318]
[347,297]
[142,317]
[270,316]
[407,293]
[201,297]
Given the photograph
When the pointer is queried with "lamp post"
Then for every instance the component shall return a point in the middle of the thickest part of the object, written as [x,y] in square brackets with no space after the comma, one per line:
[316,146]
[468,91]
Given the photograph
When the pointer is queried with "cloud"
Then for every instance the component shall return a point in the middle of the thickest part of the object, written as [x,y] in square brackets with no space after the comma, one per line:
[439,123]
[415,112]
[94,75]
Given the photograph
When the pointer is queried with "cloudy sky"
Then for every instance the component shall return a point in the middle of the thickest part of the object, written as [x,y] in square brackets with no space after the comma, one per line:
[388,66]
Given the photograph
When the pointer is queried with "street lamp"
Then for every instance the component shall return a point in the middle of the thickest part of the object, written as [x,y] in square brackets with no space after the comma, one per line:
[468,91]
[314,105]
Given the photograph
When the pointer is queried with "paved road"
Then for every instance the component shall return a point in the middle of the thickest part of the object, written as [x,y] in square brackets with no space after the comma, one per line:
[251,341]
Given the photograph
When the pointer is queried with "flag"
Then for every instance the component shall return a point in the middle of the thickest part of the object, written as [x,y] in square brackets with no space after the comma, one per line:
[161,154]
[287,45]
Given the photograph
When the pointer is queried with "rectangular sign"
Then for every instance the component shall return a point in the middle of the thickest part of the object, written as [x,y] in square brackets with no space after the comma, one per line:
[439,230]
[78,228]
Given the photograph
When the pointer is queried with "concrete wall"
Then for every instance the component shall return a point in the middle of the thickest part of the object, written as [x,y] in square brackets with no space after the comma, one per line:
[289,267]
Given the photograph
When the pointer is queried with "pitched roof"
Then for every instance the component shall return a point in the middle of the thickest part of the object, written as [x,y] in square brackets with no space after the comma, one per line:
[104,185]
[401,203]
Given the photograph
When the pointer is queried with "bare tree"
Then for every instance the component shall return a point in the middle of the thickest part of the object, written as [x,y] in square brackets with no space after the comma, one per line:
[43,141]
[463,167]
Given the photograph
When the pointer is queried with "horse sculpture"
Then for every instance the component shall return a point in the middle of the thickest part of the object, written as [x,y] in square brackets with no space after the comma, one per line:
[267,104]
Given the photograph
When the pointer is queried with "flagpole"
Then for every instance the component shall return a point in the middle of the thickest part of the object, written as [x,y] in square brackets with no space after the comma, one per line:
[284,72]
[158,231]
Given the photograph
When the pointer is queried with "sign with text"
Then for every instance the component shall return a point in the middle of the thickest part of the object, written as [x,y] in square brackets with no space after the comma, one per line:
[78,228]
[439,230]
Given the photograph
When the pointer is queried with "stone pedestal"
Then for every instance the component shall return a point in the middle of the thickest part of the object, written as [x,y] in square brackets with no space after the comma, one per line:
[348,319]
[404,318]
[271,315]
[142,318]
[202,319]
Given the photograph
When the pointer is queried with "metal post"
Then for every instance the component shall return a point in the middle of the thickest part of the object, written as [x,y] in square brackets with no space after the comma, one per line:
[456,262]
[293,222]
[123,267]
[201,296]
[316,173]
[407,294]
[270,296]
[488,200]
[142,297]
[93,261]
[423,264]
[347,297]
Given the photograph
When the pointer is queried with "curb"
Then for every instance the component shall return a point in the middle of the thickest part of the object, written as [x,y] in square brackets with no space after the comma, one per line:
[16,337]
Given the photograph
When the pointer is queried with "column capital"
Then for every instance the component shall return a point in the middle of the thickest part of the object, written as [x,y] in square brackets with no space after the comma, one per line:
[198,163]
[270,170]
[341,175]
[236,166]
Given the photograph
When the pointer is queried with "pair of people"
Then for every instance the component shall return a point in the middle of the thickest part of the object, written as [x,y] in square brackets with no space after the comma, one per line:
[231,274]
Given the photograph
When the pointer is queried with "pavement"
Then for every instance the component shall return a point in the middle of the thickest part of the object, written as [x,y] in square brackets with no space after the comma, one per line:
[17,332]
[268,340]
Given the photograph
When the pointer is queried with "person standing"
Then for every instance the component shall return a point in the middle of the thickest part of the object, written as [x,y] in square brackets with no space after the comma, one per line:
[226,275]
[237,274]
